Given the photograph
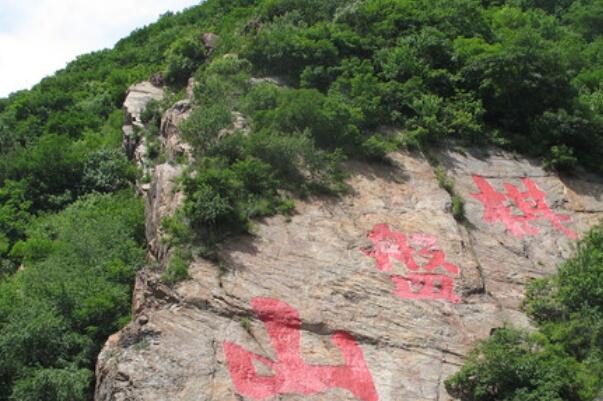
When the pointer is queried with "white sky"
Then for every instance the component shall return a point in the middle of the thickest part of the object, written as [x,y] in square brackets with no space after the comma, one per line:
[38,37]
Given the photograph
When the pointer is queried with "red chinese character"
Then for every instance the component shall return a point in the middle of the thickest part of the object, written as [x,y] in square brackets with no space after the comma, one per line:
[425,286]
[291,374]
[390,245]
[530,203]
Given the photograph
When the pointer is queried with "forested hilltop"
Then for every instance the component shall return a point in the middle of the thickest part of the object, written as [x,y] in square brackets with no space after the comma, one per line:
[362,78]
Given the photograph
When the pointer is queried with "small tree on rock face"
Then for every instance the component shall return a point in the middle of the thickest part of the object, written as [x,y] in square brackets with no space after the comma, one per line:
[513,366]
[183,58]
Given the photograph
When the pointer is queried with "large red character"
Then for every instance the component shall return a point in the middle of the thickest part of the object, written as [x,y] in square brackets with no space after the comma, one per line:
[291,374]
[531,204]
[390,245]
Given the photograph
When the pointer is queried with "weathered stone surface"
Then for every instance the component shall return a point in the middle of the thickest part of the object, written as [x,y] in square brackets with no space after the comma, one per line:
[171,136]
[190,87]
[509,261]
[137,98]
[130,140]
[321,263]
[267,80]
[162,200]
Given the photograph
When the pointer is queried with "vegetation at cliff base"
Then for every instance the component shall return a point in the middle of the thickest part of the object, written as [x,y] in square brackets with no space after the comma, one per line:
[72,292]
[563,360]
[289,91]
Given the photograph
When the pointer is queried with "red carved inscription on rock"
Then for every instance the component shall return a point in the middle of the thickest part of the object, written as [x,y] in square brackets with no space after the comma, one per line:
[530,203]
[429,274]
[292,375]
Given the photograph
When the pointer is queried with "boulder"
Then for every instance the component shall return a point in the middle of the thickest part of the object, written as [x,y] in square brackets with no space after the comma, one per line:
[137,99]
[210,40]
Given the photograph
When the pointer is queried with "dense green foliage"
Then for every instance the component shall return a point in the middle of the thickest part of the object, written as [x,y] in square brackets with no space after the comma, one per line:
[60,140]
[564,359]
[72,293]
[520,74]
[510,72]
[241,175]
[60,151]
[526,74]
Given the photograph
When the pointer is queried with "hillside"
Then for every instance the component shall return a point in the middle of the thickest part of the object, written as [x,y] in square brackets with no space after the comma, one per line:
[384,177]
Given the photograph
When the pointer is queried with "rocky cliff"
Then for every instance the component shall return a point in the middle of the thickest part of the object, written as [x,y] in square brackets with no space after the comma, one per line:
[377,295]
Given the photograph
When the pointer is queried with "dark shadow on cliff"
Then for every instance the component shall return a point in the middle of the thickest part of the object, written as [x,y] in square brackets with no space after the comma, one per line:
[444,155]
[583,183]
[243,243]
[386,170]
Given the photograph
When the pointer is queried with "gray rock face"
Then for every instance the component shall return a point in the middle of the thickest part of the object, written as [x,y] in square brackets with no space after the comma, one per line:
[210,40]
[137,99]
[162,200]
[171,136]
[378,295]
[267,80]
[515,245]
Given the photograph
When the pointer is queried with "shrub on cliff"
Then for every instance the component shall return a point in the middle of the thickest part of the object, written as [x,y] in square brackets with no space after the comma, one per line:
[183,58]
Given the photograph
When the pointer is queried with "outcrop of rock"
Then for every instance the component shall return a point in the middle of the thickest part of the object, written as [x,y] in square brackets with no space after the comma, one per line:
[210,41]
[171,137]
[137,99]
[162,200]
[377,295]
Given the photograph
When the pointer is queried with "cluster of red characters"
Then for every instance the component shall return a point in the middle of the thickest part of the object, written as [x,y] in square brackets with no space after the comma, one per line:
[428,276]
